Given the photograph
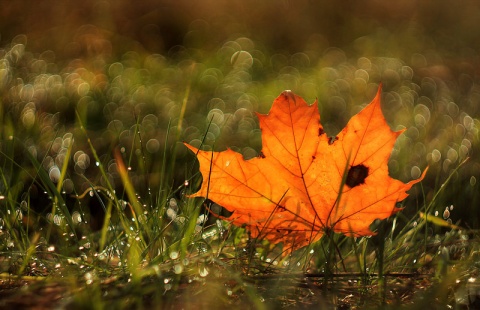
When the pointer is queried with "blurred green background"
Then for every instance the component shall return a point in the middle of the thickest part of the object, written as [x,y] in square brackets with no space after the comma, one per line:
[121,63]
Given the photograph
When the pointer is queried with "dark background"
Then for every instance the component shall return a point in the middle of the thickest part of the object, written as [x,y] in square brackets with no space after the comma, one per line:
[450,28]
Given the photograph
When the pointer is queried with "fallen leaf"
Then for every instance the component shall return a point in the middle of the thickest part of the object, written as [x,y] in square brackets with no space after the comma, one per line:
[304,182]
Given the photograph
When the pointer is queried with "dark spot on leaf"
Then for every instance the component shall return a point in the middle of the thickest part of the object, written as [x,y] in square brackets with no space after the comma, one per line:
[261,155]
[313,157]
[332,139]
[356,175]
[320,131]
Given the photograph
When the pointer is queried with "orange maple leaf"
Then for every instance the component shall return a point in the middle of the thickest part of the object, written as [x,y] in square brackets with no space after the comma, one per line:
[304,182]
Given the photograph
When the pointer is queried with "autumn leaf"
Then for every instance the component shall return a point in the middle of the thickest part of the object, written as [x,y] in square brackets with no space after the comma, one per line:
[304,182]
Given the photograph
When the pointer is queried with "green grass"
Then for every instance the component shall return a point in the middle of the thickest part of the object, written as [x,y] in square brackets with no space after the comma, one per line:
[94,208]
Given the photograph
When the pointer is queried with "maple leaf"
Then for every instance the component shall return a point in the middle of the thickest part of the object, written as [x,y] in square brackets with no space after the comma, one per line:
[304,182]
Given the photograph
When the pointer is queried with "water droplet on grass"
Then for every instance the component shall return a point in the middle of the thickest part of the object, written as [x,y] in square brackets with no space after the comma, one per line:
[172,214]
[446,213]
[19,214]
[76,217]
[203,271]
[88,278]
[201,218]
[174,255]
[178,268]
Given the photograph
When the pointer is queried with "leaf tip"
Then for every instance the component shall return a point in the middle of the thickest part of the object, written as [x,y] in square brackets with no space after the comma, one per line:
[191,148]
[288,94]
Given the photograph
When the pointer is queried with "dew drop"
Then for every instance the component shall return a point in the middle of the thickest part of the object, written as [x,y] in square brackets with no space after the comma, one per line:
[174,255]
[88,278]
[19,214]
[201,218]
[178,268]
[203,271]
[76,217]
[446,213]
[171,213]
[172,203]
